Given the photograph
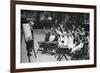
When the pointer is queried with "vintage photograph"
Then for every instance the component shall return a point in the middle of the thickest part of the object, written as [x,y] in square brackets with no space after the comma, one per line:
[52,36]
[48,36]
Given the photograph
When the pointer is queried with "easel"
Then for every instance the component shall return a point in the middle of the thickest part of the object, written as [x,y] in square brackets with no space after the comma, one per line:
[29,42]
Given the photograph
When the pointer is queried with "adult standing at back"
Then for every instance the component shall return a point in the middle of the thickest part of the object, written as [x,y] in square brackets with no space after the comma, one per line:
[27,30]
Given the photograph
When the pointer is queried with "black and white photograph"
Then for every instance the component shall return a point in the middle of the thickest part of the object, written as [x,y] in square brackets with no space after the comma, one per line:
[50,36]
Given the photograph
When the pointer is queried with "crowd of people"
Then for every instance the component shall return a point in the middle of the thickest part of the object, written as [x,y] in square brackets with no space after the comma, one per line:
[76,38]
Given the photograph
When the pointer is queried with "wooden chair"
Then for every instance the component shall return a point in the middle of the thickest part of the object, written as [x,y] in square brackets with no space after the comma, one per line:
[63,52]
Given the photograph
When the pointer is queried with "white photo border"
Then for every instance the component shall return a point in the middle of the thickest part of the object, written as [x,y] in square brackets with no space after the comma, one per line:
[20,7]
